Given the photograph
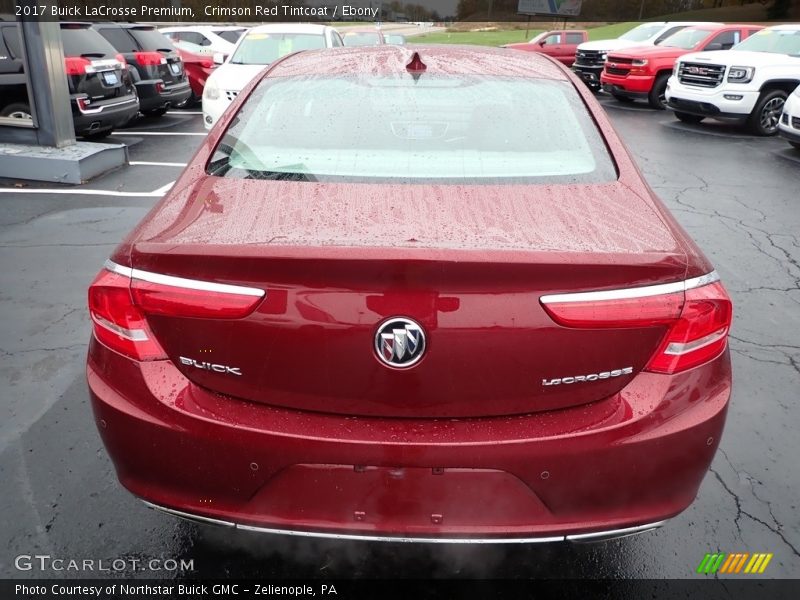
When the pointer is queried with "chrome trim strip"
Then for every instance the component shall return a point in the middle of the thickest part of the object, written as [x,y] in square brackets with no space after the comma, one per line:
[614,533]
[99,109]
[597,535]
[637,292]
[192,284]
[188,516]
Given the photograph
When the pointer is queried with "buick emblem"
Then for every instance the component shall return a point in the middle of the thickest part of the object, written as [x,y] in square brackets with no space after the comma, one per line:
[399,342]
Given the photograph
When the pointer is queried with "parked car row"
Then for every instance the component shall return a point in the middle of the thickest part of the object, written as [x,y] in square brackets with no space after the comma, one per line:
[740,73]
[113,70]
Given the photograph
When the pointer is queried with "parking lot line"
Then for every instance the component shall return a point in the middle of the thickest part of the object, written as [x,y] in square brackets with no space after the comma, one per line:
[184,112]
[82,192]
[147,163]
[163,189]
[156,133]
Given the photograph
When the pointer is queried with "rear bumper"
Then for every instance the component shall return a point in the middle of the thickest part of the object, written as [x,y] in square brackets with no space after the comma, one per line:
[105,116]
[632,460]
[150,98]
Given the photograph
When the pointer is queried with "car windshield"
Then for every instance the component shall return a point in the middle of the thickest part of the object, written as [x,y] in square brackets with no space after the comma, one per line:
[230,35]
[539,37]
[263,48]
[642,32]
[778,41]
[362,39]
[686,38]
[455,129]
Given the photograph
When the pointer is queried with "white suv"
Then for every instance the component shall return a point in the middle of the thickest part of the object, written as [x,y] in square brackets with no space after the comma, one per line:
[259,47]
[790,120]
[211,38]
[747,84]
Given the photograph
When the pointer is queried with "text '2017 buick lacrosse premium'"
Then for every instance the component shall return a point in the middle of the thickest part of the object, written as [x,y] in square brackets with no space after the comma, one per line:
[419,296]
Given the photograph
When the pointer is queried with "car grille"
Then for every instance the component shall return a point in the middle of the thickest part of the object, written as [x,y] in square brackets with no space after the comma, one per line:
[231,95]
[589,58]
[796,122]
[701,75]
[617,71]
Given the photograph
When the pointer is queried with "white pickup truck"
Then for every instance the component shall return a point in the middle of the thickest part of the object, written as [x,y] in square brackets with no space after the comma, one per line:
[748,84]
[590,57]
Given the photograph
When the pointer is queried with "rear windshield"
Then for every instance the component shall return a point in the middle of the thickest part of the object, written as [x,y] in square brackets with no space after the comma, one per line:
[264,48]
[778,41]
[79,41]
[151,39]
[470,129]
[362,39]
[230,35]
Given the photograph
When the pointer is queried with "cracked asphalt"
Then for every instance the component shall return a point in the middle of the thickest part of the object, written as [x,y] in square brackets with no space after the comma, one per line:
[738,196]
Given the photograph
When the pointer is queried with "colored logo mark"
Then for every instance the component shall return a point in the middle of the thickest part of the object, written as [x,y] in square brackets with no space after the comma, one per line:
[740,562]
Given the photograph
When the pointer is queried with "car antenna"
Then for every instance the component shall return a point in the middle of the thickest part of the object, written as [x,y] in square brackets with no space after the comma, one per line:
[416,67]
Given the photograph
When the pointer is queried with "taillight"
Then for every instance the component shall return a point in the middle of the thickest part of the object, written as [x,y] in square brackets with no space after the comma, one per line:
[697,314]
[117,322]
[121,60]
[207,64]
[699,335]
[120,298]
[161,299]
[83,103]
[76,65]
[150,59]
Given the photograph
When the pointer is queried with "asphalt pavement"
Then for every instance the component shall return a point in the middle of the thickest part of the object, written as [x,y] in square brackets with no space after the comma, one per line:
[738,196]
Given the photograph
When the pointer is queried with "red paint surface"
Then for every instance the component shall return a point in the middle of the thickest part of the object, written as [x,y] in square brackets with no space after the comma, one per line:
[332,431]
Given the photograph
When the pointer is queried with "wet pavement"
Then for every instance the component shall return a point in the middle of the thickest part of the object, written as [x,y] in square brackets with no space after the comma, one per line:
[738,196]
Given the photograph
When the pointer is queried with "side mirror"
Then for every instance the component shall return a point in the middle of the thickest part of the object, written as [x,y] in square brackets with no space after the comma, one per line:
[542,43]
[713,46]
[219,58]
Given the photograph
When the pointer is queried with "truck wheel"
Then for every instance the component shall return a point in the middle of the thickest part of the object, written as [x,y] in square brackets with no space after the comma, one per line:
[688,118]
[17,110]
[657,98]
[767,113]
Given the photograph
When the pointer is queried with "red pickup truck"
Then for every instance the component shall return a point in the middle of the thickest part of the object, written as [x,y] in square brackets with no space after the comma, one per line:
[641,73]
[561,45]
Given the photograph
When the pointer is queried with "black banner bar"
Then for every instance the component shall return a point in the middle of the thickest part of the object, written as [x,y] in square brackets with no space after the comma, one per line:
[387,11]
[199,589]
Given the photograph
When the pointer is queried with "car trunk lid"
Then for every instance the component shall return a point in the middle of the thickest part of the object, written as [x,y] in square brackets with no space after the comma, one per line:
[337,260]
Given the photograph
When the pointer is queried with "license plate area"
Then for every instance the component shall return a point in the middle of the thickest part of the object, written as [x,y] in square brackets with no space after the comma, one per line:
[110,78]
[175,68]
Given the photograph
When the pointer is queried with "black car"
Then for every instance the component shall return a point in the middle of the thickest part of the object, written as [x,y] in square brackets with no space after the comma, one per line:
[101,90]
[155,64]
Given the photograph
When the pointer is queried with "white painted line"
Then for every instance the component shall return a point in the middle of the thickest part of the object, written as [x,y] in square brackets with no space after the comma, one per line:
[184,112]
[147,163]
[163,189]
[155,133]
[81,192]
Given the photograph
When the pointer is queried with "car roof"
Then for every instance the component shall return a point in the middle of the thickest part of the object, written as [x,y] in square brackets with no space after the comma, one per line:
[290,28]
[441,59]
[787,27]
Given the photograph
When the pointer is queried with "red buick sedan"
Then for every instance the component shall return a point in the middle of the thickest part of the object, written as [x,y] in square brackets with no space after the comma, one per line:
[415,296]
